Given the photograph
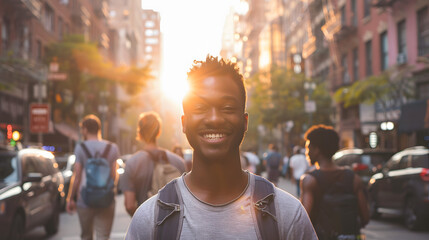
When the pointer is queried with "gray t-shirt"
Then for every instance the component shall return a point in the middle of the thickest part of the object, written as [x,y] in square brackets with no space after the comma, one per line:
[138,172]
[94,146]
[231,221]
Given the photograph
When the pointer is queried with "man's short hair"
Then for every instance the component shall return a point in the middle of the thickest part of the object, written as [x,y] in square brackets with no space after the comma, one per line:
[325,138]
[91,123]
[212,67]
[149,127]
[273,147]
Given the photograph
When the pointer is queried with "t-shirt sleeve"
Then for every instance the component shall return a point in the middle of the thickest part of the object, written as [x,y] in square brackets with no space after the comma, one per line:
[127,183]
[79,154]
[301,227]
[143,222]
[293,220]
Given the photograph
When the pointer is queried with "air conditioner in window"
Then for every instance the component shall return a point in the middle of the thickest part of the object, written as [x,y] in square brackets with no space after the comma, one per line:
[402,58]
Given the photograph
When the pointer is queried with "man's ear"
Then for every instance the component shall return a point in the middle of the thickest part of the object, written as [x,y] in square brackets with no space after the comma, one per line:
[246,121]
[183,123]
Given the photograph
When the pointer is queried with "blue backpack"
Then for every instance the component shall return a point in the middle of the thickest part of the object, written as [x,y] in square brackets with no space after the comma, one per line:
[98,192]
[169,211]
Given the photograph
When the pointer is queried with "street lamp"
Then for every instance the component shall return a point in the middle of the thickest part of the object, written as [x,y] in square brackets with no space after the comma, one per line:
[310,105]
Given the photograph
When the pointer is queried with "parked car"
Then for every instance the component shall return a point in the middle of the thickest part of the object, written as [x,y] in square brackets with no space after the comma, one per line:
[66,167]
[364,162]
[402,187]
[31,192]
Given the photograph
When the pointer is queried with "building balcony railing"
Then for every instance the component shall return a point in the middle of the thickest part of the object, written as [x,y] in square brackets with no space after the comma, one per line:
[80,15]
[29,8]
[383,3]
[101,8]
[338,27]
[309,47]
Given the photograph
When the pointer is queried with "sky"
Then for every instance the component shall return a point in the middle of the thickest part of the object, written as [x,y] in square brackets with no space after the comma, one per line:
[191,29]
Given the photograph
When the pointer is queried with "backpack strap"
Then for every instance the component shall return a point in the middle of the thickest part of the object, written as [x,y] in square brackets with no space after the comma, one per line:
[169,212]
[263,200]
[85,150]
[106,151]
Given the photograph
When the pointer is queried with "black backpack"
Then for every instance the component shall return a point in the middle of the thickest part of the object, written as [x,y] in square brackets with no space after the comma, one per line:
[336,215]
[169,211]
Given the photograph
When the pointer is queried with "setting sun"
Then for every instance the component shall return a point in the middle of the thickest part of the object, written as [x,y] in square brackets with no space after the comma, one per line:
[174,87]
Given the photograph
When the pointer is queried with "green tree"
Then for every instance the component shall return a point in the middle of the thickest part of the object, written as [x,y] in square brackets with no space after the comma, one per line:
[278,95]
[391,89]
[88,74]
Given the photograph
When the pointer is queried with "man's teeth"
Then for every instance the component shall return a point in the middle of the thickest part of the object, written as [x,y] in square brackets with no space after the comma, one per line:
[214,136]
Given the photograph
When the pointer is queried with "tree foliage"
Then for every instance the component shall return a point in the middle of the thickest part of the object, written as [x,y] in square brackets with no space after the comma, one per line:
[89,74]
[391,88]
[278,95]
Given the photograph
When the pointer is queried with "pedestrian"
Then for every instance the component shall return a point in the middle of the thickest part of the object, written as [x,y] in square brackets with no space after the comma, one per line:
[333,196]
[273,161]
[92,213]
[298,165]
[217,199]
[286,167]
[179,151]
[138,178]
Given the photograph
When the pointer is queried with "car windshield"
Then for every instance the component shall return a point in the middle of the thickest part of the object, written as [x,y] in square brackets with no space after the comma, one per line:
[8,169]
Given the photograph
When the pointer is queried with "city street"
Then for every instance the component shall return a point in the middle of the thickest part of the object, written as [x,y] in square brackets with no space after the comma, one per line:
[386,228]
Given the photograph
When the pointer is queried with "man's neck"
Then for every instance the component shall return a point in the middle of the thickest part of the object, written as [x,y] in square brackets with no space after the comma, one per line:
[217,183]
[326,164]
[93,137]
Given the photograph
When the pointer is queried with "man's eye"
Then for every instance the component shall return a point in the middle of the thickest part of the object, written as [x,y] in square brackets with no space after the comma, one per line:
[228,108]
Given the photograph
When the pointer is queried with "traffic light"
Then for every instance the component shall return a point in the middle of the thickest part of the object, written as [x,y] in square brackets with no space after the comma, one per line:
[9,131]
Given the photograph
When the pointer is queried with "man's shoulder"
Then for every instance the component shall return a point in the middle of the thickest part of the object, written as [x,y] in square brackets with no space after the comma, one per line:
[285,199]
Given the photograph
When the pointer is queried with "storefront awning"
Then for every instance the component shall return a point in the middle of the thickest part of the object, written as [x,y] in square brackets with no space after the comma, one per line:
[67,131]
[414,117]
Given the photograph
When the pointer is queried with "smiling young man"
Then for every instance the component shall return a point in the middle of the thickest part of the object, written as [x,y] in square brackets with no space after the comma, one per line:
[217,199]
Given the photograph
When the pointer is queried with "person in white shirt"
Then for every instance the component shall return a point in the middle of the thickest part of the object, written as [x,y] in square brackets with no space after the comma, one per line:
[299,166]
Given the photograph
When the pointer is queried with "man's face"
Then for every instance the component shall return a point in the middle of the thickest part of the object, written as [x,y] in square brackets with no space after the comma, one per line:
[310,152]
[214,120]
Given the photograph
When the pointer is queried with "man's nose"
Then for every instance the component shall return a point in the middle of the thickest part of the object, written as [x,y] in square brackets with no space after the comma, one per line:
[214,117]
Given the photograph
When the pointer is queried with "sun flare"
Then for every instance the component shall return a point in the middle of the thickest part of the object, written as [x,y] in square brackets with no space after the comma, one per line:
[174,88]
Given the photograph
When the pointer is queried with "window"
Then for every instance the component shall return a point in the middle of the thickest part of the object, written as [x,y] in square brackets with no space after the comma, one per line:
[366,8]
[25,42]
[343,16]
[344,65]
[149,24]
[60,28]
[38,50]
[402,38]
[48,18]
[4,35]
[355,64]
[368,51]
[423,31]
[384,51]
[354,13]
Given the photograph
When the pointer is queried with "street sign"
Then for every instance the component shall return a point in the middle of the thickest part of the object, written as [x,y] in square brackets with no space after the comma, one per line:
[310,106]
[39,118]
[54,76]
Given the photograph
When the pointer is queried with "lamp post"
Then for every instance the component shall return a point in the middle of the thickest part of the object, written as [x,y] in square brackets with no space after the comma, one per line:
[310,105]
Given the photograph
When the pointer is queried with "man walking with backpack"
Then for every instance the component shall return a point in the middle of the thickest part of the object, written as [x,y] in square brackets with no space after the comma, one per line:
[150,169]
[333,196]
[272,163]
[217,199]
[94,178]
